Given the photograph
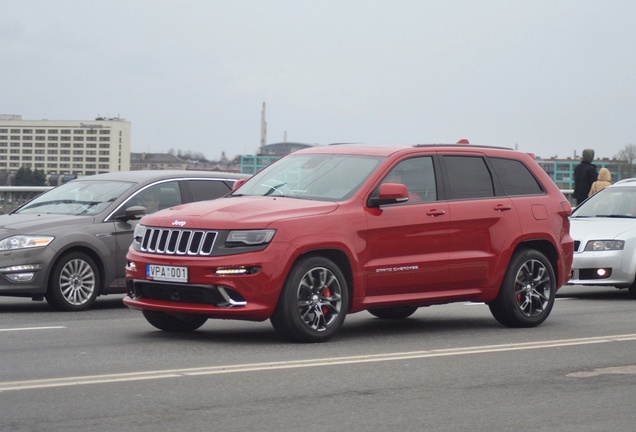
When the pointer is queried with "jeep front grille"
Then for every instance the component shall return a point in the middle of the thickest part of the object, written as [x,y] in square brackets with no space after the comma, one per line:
[169,241]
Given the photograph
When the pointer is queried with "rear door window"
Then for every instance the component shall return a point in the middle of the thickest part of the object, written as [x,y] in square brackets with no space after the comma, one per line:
[468,177]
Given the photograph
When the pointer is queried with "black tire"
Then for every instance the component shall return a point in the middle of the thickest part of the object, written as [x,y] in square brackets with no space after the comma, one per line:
[527,293]
[173,323]
[74,283]
[395,313]
[314,301]
[632,290]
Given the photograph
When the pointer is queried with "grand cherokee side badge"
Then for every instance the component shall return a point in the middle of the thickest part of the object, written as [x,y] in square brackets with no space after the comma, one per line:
[178,223]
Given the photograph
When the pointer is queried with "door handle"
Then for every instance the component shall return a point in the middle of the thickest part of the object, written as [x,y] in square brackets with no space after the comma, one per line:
[503,207]
[435,213]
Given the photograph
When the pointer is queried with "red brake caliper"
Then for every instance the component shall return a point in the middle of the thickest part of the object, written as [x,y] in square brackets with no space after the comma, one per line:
[326,293]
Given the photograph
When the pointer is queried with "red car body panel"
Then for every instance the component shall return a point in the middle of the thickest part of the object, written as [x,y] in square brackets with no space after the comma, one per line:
[417,254]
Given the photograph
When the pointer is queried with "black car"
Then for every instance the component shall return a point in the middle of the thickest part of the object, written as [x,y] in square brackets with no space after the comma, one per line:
[69,244]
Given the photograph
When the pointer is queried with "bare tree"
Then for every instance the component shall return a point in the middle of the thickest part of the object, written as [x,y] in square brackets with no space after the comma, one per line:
[627,155]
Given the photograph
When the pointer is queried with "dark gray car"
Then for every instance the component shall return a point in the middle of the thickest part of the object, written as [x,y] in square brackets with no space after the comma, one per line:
[69,244]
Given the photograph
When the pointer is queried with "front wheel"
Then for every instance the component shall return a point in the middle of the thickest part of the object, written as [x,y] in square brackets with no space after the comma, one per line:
[174,323]
[74,283]
[527,293]
[314,301]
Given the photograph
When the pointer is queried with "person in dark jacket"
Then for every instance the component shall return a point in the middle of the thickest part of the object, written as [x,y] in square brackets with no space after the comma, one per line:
[584,175]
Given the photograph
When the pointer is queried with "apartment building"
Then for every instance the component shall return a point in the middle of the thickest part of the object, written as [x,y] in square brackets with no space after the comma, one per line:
[64,147]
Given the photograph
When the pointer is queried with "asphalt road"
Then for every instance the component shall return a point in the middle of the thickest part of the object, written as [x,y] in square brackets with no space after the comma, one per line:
[447,368]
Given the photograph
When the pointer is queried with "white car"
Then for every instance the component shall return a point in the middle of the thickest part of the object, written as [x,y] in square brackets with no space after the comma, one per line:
[604,231]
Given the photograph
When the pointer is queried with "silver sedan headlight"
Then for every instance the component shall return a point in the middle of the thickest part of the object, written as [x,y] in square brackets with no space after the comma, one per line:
[24,242]
[604,245]
[138,236]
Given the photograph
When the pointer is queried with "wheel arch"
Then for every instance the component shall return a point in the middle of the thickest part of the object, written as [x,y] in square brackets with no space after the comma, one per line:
[546,248]
[340,258]
[96,257]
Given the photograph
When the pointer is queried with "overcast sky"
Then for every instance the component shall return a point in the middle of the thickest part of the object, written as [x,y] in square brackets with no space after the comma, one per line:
[549,76]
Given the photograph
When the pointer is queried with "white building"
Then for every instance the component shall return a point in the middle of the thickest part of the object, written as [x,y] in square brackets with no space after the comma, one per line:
[64,147]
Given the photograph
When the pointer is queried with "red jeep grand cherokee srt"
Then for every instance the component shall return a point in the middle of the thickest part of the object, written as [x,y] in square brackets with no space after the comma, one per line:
[333,230]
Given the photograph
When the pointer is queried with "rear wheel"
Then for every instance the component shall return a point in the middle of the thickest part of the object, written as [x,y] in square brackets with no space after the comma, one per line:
[174,323]
[74,283]
[400,312]
[527,293]
[314,301]
[632,290]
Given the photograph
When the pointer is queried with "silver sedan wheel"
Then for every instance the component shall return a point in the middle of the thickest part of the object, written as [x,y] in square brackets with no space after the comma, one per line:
[77,282]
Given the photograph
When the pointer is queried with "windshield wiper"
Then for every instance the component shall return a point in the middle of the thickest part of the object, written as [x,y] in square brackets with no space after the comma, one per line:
[64,201]
[273,189]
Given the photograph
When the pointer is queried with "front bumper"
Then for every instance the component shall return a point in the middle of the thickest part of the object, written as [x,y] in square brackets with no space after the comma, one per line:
[24,272]
[601,268]
[252,295]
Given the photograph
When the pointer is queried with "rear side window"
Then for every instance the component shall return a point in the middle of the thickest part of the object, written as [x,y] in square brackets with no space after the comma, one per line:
[515,177]
[208,189]
[468,177]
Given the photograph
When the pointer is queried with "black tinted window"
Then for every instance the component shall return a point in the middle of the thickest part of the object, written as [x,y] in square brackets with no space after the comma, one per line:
[208,189]
[468,177]
[515,177]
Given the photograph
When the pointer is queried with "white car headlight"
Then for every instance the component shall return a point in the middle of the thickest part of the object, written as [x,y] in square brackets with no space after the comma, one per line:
[24,241]
[251,237]
[604,245]
[138,235]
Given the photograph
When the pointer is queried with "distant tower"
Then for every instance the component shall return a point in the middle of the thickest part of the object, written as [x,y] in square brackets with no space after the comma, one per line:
[263,128]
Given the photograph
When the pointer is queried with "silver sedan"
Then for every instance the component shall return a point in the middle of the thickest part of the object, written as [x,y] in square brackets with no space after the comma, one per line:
[604,231]
[69,245]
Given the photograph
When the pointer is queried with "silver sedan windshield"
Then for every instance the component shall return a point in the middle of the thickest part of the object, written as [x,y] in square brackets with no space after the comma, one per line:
[610,202]
[77,198]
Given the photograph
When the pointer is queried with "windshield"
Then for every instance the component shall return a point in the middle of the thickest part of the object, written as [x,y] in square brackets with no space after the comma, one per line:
[80,197]
[610,202]
[310,176]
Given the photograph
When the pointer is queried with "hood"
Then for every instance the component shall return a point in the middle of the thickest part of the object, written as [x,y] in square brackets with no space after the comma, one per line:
[588,155]
[242,211]
[599,228]
[39,223]
[604,175]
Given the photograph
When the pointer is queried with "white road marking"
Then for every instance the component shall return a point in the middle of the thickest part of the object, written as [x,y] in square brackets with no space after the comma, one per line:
[294,364]
[32,328]
[617,370]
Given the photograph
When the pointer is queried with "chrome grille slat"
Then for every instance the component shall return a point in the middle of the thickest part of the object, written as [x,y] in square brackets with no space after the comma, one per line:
[168,241]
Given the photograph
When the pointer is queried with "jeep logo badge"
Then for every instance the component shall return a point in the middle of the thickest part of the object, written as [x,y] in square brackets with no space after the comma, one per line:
[178,223]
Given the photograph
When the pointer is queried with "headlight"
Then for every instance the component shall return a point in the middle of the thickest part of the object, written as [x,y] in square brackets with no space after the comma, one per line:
[138,235]
[604,245]
[24,241]
[251,237]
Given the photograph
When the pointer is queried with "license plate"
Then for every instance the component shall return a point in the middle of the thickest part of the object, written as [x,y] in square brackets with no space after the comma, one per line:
[167,273]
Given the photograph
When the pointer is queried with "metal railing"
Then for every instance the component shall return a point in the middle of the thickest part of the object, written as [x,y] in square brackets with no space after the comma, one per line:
[12,197]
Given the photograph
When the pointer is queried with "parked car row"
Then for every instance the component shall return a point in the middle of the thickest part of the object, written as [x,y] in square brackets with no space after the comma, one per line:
[319,234]
[69,244]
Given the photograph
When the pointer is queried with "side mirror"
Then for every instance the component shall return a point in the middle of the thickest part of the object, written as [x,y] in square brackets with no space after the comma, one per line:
[238,184]
[389,193]
[133,212]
